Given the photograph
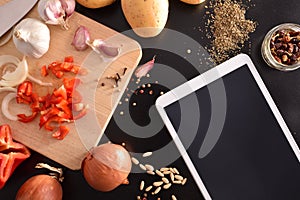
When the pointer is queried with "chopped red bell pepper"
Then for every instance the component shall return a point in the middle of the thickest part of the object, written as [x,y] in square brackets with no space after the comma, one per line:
[56,107]
[44,71]
[61,132]
[12,154]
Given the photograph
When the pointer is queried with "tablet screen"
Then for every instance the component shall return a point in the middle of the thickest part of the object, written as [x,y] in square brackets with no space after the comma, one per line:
[252,158]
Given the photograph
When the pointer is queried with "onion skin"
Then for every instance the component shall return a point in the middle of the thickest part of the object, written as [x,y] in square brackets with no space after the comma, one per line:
[40,187]
[106,167]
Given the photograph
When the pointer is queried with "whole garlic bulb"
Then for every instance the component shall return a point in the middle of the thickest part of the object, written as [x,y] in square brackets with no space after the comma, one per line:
[32,37]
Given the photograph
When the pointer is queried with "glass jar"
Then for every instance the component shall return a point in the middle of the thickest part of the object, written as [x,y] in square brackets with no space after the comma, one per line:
[267,53]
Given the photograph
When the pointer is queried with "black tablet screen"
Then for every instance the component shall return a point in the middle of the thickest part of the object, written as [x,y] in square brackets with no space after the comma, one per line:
[251,158]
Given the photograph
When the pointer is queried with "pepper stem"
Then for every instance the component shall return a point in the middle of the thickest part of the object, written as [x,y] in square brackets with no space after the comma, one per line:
[59,171]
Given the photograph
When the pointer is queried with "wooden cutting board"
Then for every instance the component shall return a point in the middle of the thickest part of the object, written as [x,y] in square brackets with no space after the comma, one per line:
[102,100]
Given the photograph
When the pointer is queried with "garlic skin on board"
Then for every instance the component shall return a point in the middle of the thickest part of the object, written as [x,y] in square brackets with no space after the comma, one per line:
[31,37]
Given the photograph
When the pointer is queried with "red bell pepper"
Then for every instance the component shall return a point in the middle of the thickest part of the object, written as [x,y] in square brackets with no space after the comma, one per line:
[12,154]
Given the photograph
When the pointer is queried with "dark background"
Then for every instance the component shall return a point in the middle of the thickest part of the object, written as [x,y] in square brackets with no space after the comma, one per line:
[283,86]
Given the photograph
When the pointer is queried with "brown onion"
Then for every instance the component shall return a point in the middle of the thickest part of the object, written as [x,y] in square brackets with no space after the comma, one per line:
[40,187]
[106,167]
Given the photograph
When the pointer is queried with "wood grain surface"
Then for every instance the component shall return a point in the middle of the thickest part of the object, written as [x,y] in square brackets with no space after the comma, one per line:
[102,100]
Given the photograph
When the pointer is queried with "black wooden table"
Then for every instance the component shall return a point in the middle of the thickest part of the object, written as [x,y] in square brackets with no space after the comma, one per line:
[283,86]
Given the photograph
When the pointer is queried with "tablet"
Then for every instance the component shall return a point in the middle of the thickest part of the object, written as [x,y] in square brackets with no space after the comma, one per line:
[231,135]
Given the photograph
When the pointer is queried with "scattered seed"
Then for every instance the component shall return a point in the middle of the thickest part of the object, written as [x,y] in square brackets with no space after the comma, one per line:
[178,177]
[123,144]
[177,182]
[172,177]
[142,167]
[189,51]
[173,197]
[143,86]
[158,183]
[120,102]
[126,99]
[149,167]
[159,173]
[167,186]
[147,154]
[172,170]
[183,182]
[166,172]
[175,170]
[148,85]
[121,113]
[151,172]
[161,93]
[151,92]
[158,198]
[157,190]
[142,91]
[147,75]
[138,198]
[148,188]
[142,184]
[165,180]
[135,161]
[133,104]
[164,169]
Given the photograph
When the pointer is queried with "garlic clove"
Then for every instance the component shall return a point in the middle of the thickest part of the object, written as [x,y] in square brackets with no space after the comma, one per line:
[145,68]
[56,12]
[81,38]
[100,47]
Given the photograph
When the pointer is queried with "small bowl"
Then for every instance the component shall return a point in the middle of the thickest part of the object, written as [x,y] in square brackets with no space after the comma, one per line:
[266,48]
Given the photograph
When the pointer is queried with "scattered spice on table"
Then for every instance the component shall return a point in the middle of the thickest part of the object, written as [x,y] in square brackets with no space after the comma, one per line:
[229,28]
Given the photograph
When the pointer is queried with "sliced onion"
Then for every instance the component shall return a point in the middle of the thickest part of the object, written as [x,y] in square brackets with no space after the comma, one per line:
[11,79]
[5,104]
[33,79]
[7,89]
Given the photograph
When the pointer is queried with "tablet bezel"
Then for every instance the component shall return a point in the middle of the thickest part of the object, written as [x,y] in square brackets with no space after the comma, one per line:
[203,80]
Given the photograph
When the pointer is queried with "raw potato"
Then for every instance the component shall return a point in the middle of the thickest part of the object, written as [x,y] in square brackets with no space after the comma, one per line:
[193,2]
[147,18]
[95,3]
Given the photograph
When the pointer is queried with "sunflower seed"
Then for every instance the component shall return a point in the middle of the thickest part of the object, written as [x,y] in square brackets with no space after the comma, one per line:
[167,186]
[165,180]
[172,177]
[149,167]
[148,188]
[142,184]
[177,182]
[178,177]
[172,170]
[134,161]
[176,171]
[183,182]
[147,154]
[159,173]
[158,183]
[142,167]
[166,172]
[157,190]
[164,169]
[151,172]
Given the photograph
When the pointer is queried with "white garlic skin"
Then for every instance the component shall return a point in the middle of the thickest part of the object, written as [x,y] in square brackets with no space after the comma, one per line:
[32,37]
